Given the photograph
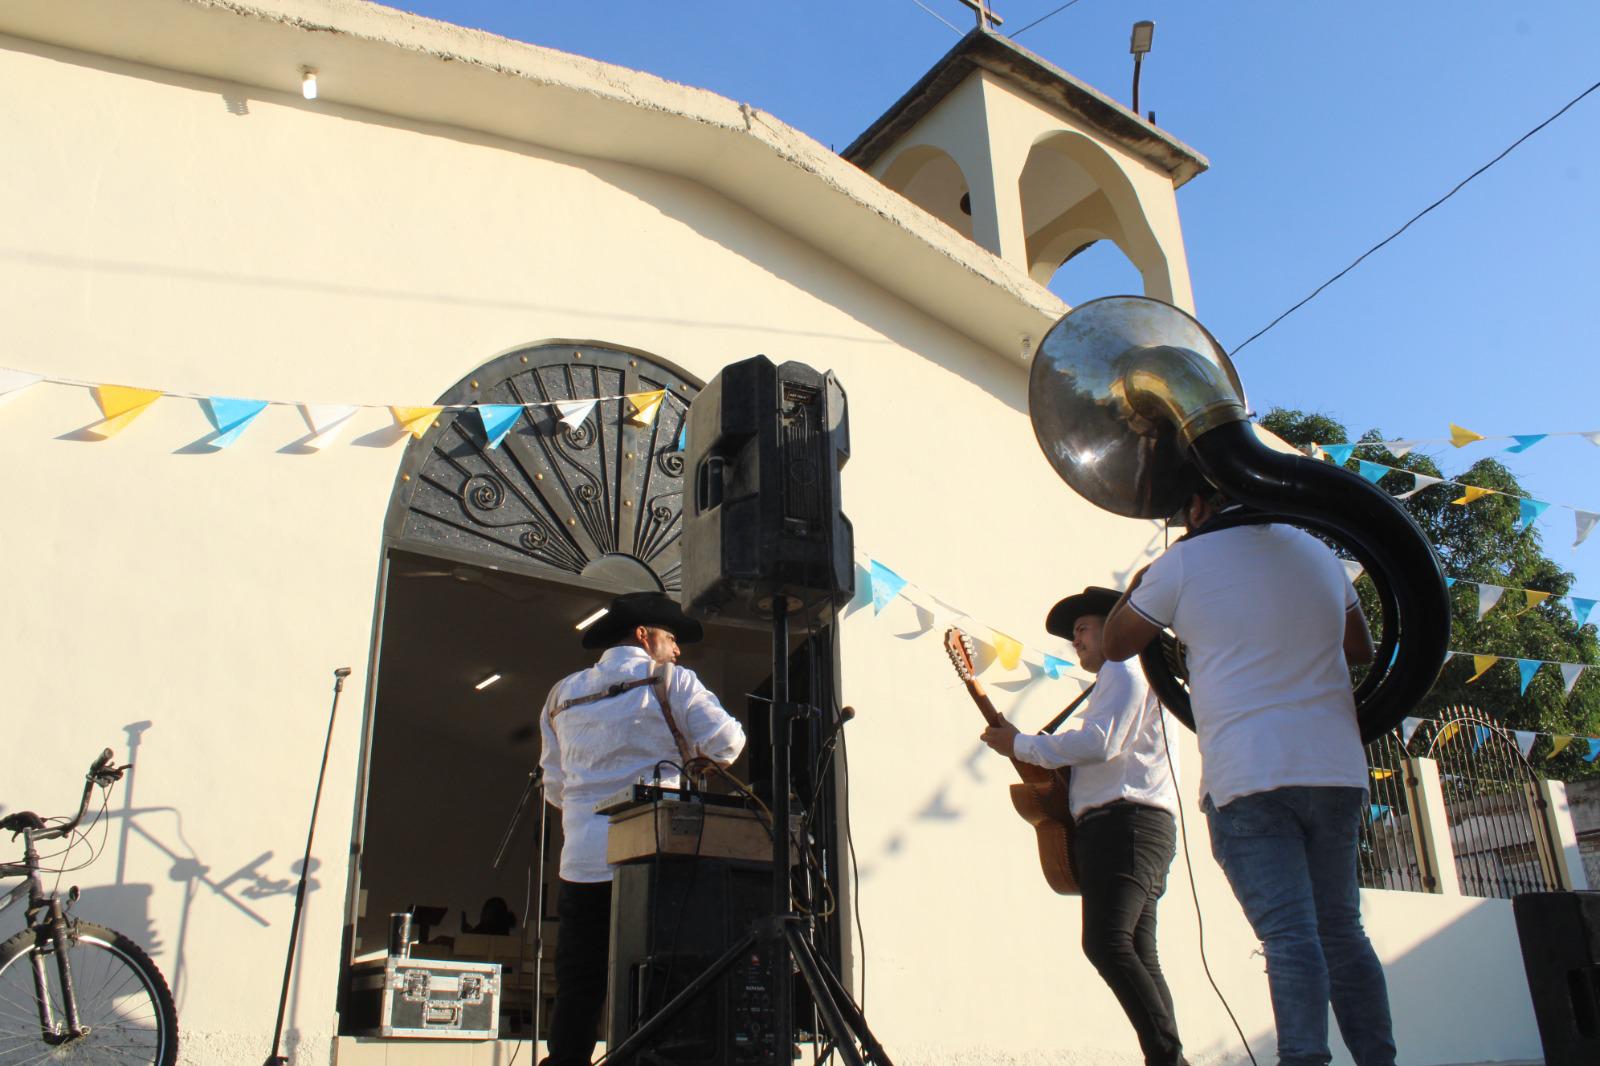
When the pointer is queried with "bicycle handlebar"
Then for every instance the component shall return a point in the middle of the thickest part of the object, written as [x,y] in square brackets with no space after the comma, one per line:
[102,772]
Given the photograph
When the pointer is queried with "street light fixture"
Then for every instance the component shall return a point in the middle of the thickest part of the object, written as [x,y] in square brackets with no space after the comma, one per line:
[1143,36]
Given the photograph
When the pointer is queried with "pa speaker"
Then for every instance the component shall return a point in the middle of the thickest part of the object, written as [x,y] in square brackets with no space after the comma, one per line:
[1560,935]
[762,519]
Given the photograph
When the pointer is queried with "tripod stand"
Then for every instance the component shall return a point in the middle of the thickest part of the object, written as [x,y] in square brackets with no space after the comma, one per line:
[781,936]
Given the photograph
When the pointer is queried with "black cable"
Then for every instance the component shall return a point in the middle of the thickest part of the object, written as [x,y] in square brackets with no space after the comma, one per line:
[1565,108]
[1041,18]
[1188,863]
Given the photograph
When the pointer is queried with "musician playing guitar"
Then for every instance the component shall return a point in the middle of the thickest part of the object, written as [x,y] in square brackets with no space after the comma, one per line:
[1122,800]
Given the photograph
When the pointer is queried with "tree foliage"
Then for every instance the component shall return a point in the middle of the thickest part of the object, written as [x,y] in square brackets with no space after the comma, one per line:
[1479,542]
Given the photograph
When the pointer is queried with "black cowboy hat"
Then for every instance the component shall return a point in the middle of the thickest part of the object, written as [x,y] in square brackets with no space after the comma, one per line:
[1092,600]
[635,609]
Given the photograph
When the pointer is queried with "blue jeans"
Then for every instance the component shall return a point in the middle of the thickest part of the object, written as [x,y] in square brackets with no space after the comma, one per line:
[1290,855]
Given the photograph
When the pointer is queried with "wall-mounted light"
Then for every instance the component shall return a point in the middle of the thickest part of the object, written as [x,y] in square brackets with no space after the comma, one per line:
[592,619]
[486,682]
[1144,34]
[308,83]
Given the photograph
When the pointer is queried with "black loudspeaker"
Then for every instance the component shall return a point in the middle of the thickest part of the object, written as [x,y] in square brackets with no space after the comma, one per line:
[1560,935]
[761,518]
[670,919]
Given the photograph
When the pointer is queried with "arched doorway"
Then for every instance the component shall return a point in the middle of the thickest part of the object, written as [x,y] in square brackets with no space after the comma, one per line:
[492,558]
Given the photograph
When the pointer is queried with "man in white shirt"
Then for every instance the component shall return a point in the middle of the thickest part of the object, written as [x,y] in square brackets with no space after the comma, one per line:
[603,729]
[1122,799]
[1271,625]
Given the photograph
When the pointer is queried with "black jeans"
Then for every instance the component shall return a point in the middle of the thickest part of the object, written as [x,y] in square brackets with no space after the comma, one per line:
[1123,852]
[582,952]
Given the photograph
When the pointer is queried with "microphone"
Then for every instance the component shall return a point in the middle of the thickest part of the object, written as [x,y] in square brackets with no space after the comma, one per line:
[845,714]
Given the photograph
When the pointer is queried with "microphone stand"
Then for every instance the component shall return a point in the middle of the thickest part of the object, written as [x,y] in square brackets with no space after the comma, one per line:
[276,1058]
[535,889]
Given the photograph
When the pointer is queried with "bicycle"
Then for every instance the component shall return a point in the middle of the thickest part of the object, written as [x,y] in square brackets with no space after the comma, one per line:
[70,990]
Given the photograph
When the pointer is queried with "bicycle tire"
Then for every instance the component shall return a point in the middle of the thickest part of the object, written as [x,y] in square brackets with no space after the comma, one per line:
[122,998]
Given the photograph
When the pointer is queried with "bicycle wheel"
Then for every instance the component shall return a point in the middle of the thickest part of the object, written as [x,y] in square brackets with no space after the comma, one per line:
[122,1000]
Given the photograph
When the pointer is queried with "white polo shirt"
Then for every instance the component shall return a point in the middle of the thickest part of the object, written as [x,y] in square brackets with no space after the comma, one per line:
[1262,612]
[594,749]
[1114,745]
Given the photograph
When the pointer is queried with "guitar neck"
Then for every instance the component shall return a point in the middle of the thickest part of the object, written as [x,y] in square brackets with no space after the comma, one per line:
[981,698]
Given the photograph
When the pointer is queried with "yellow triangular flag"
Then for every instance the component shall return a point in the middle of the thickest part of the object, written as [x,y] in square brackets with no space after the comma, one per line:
[1381,774]
[120,404]
[645,406]
[416,420]
[1462,437]
[1481,663]
[1472,492]
[1558,744]
[1009,651]
[1447,732]
[1534,599]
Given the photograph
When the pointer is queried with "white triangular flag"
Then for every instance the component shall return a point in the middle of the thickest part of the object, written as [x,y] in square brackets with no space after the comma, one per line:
[327,421]
[1401,448]
[573,412]
[1569,675]
[1353,569]
[1525,741]
[1488,596]
[14,382]
[1418,483]
[1594,438]
[1585,524]
[1408,729]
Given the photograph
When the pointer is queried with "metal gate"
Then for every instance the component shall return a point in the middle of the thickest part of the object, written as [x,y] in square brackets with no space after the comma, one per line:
[1389,854]
[1493,804]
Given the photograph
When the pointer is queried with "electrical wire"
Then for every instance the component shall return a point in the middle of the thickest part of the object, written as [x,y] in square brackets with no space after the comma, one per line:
[1414,218]
[936,15]
[1041,18]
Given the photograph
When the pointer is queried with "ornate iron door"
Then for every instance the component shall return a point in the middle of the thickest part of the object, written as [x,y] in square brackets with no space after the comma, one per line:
[601,500]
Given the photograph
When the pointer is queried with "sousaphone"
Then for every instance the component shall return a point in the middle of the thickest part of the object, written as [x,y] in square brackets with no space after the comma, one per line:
[1137,407]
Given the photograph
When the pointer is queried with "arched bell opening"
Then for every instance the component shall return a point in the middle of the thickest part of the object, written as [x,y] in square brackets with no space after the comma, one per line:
[493,558]
[931,178]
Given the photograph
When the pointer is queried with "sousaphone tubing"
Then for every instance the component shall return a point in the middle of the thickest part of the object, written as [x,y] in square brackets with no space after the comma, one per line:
[1137,407]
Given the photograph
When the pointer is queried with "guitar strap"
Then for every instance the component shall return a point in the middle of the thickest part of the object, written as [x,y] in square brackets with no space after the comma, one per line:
[663,683]
[1055,723]
[604,694]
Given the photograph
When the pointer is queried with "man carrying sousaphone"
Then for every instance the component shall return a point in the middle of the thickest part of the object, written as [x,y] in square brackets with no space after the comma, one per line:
[1122,800]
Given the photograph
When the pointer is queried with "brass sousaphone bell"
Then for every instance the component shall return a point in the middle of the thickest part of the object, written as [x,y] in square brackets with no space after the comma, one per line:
[1137,406]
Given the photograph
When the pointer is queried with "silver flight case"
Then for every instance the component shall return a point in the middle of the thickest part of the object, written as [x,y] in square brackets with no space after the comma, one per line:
[437,999]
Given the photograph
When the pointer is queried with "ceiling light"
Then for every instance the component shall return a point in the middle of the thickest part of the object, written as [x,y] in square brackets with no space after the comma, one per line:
[308,83]
[486,682]
[592,619]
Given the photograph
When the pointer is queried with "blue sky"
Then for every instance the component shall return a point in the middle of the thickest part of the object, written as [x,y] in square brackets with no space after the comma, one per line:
[1327,127]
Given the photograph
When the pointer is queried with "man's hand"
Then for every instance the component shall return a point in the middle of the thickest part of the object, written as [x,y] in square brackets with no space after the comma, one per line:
[1002,738]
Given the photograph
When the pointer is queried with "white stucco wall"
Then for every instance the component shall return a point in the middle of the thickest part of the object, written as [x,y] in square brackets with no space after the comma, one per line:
[154,232]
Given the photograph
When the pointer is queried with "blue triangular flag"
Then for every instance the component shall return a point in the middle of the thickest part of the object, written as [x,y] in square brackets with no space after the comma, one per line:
[1481,732]
[231,417]
[886,585]
[1527,668]
[1377,810]
[1530,510]
[1526,442]
[1339,453]
[1594,749]
[1053,666]
[1373,472]
[683,437]
[1581,608]
[1449,582]
[498,418]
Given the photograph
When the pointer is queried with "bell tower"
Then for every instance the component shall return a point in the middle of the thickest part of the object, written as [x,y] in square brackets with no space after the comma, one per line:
[1034,165]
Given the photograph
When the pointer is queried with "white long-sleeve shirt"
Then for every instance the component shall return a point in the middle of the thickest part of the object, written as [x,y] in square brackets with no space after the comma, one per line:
[1113,744]
[594,749]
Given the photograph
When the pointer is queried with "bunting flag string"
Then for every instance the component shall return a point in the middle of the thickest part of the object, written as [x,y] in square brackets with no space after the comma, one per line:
[1460,437]
[1529,509]
[1483,662]
[1525,738]
[230,416]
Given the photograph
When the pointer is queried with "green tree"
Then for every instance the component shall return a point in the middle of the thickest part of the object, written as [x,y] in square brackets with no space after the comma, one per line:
[1479,543]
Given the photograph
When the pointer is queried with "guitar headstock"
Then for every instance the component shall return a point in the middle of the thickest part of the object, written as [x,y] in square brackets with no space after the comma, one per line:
[958,646]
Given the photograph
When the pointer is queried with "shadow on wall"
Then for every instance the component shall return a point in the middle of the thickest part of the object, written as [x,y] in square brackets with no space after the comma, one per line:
[127,906]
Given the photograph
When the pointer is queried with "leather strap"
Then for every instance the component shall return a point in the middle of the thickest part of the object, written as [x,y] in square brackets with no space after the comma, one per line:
[604,694]
[663,682]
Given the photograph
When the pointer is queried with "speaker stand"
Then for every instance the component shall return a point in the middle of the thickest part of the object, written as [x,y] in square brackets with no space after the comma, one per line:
[783,937]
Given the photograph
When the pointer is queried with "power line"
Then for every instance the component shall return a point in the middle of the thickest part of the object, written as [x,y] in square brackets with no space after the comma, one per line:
[1041,18]
[1462,184]
[936,15]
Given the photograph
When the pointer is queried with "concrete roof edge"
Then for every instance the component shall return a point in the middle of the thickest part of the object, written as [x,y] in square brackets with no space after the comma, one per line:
[984,49]
[786,176]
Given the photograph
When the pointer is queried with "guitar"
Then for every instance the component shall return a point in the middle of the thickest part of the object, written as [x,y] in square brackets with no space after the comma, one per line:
[1041,799]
